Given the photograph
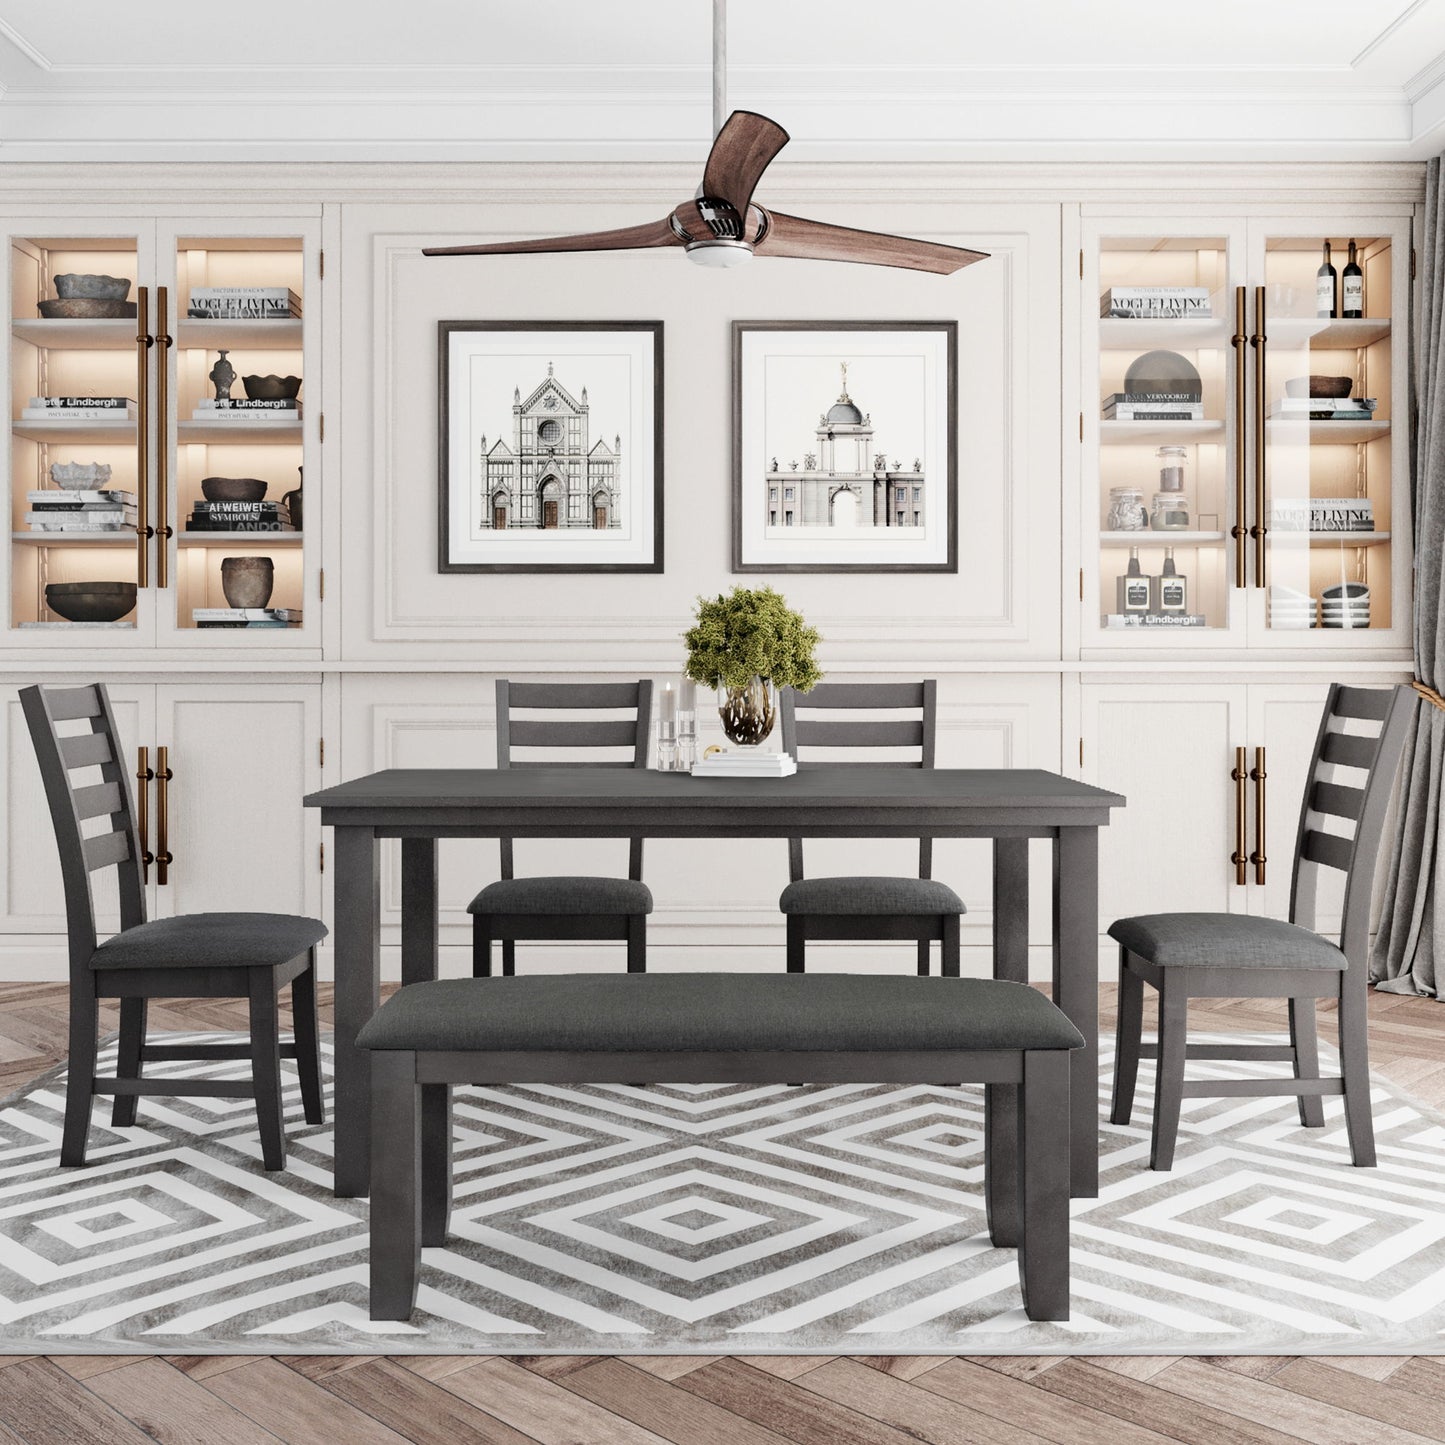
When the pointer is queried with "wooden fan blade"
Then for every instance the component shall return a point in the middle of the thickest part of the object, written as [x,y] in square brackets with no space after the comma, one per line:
[818,241]
[629,238]
[743,150]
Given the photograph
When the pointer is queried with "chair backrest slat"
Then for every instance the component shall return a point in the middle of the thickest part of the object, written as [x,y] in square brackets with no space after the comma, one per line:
[105,849]
[84,750]
[1350,750]
[1330,849]
[98,799]
[1337,800]
[566,734]
[810,721]
[1371,704]
[65,704]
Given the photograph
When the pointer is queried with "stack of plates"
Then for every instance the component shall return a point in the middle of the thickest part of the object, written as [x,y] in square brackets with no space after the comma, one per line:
[1346,604]
[1289,608]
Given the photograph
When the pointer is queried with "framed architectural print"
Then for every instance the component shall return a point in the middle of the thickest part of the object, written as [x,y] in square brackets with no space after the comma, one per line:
[550,446]
[844,446]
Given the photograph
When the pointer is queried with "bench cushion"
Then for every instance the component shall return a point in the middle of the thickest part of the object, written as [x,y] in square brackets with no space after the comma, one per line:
[211,940]
[717,1012]
[563,895]
[1224,940]
[909,897]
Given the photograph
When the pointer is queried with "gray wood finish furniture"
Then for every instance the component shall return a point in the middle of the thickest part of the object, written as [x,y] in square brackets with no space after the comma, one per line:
[571,908]
[421,805]
[868,907]
[1229,955]
[199,955]
[720,1027]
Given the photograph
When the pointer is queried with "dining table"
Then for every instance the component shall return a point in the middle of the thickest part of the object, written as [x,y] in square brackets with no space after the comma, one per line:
[422,806]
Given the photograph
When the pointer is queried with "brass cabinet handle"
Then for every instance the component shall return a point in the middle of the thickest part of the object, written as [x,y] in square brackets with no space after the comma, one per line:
[143,776]
[164,531]
[1239,858]
[143,343]
[1260,529]
[1261,781]
[163,814]
[1239,531]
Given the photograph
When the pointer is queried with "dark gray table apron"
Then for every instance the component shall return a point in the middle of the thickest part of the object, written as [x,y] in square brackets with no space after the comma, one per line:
[421,805]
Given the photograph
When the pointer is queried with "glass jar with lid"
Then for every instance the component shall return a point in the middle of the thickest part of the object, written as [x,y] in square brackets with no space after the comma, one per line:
[1127,511]
[1172,462]
[1170,512]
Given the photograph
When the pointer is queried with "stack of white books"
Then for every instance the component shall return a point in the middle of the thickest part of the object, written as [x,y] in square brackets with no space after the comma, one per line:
[745,763]
[79,409]
[248,410]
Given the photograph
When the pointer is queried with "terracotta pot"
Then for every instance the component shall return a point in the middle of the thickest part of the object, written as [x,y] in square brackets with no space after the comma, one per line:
[247,581]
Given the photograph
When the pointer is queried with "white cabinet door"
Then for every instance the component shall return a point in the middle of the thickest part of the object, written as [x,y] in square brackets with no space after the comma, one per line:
[32,900]
[1169,750]
[241,758]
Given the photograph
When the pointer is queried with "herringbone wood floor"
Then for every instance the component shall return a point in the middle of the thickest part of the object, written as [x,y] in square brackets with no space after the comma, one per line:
[734,1400]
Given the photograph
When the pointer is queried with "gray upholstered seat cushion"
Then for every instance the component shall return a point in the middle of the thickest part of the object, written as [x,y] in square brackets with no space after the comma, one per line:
[722,1012]
[908,896]
[1228,940]
[210,940]
[563,895]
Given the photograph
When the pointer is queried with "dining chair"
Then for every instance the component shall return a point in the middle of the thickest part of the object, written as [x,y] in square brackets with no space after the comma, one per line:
[197,955]
[867,907]
[1236,955]
[567,908]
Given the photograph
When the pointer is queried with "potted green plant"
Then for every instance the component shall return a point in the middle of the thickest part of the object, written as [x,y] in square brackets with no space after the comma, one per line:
[747,644]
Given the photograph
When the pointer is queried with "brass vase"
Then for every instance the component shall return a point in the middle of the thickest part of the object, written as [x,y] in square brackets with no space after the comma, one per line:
[748,712]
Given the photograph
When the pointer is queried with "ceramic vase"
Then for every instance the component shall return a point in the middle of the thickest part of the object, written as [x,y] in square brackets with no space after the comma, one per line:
[247,581]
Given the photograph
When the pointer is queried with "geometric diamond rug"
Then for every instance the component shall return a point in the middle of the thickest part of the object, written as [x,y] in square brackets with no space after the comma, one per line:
[737,1218]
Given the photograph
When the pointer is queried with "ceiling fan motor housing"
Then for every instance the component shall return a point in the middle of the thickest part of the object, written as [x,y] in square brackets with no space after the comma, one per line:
[714,233]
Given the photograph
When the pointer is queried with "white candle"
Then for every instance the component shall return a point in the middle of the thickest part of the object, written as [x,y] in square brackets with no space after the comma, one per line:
[669,705]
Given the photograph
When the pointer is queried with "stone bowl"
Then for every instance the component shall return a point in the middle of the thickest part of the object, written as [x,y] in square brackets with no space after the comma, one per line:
[80,286]
[90,601]
[1331,386]
[233,489]
[87,308]
[271,388]
[80,476]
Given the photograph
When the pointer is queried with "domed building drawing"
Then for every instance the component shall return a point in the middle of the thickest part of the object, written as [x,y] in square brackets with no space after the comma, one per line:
[845,483]
[552,476]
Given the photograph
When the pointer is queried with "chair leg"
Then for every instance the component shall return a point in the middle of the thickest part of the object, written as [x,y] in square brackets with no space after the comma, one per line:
[436,1163]
[1043,1188]
[481,946]
[1169,1074]
[306,1029]
[128,1059]
[395,1184]
[1001,1163]
[950,950]
[637,943]
[925,947]
[80,1074]
[796,943]
[1128,1035]
[509,958]
[266,1067]
[1304,1040]
[1355,1066]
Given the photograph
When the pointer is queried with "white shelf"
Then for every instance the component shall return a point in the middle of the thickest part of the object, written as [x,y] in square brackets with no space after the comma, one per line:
[1144,333]
[1286,537]
[1341,433]
[77,334]
[1127,433]
[76,432]
[1151,538]
[241,434]
[238,539]
[74,539]
[283,335]
[1291,332]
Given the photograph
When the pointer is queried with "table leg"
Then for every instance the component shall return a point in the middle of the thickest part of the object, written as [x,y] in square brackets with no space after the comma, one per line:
[418,910]
[1076,991]
[357,951]
[1011,909]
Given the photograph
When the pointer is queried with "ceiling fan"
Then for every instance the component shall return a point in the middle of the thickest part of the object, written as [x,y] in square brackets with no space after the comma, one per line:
[721,225]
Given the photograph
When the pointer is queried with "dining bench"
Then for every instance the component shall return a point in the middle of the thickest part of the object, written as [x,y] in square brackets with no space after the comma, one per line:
[721,1028]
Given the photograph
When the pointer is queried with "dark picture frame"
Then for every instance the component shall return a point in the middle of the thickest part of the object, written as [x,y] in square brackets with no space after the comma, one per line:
[523,490]
[786,517]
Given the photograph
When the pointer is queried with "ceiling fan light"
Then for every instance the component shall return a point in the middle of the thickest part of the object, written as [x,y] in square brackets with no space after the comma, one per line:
[720,254]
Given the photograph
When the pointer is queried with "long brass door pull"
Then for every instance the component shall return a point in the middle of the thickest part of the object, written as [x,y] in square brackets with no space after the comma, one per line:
[1240,777]
[163,818]
[1261,779]
[144,776]
[1240,531]
[143,343]
[163,528]
[1260,527]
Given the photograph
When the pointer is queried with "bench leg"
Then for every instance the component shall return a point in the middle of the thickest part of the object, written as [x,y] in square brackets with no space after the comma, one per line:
[1001,1163]
[481,946]
[949,950]
[796,937]
[1128,1036]
[306,1030]
[436,1163]
[395,1184]
[1304,1039]
[266,1067]
[1044,1184]
[637,943]
[1169,1070]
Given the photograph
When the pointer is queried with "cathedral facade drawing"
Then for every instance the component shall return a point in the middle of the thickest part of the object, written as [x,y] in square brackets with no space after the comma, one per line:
[552,476]
[844,481]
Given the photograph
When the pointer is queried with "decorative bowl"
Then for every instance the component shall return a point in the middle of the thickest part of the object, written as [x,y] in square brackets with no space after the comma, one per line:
[232,489]
[90,601]
[1350,591]
[1332,386]
[87,308]
[81,286]
[271,388]
[78,476]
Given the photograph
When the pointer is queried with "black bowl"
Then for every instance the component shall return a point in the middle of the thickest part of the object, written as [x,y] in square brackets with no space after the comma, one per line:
[90,601]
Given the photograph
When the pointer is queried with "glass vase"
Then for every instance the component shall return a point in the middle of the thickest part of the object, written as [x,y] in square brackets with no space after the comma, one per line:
[748,712]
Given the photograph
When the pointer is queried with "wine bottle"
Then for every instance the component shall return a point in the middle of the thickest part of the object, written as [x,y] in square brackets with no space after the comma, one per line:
[1352,287]
[1170,591]
[1133,587]
[1327,301]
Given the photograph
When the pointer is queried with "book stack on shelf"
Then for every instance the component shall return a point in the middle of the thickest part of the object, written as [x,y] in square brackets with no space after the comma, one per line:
[248,410]
[243,303]
[81,511]
[1322,514]
[1156,303]
[1154,406]
[239,517]
[246,616]
[1324,408]
[745,763]
[79,408]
